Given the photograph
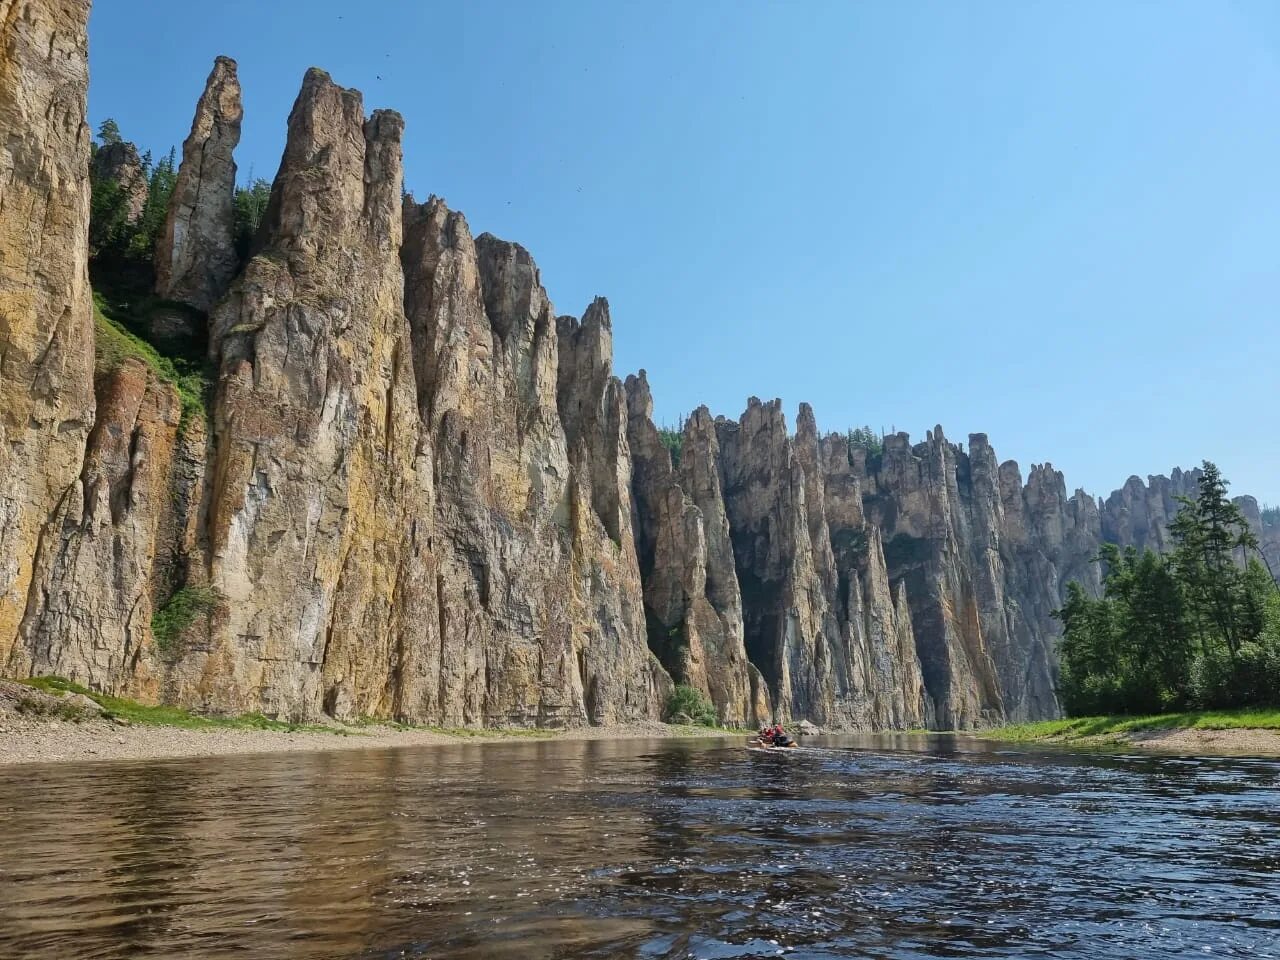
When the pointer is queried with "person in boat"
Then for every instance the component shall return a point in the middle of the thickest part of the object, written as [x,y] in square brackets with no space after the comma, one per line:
[779,737]
[765,736]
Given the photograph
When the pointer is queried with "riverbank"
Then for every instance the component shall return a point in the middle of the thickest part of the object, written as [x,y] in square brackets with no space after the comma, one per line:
[1251,732]
[49,720]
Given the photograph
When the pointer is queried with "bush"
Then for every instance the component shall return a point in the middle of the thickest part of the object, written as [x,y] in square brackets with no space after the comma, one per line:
[179,612]
[692,703]
[1251,678]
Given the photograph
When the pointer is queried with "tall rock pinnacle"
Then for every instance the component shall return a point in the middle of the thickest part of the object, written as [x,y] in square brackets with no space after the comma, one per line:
[319,496]
[196,258]
[46,315]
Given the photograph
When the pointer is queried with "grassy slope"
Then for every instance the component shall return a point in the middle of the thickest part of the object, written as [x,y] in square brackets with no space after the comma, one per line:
[167,716]
[114,343]
[1078,728]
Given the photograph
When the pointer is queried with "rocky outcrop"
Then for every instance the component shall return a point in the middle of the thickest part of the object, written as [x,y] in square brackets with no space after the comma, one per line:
[1138,514]
[89,617]
[820,619]
[985,561]
[46,315]
[318,476]
[195,256]
[872,612]
[119,163]
[538,588]
[693,607]
[538,585]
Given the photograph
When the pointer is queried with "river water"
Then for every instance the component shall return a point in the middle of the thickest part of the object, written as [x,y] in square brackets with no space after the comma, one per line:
[872,847]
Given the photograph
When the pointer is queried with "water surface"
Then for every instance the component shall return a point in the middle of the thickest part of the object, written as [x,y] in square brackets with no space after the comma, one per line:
[871,847]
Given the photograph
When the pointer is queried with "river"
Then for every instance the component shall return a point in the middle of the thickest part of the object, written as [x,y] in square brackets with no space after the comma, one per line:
[864,847]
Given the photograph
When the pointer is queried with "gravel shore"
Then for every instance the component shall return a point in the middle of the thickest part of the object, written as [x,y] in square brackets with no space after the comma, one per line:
[48,741]
[1245,742]
[37,728]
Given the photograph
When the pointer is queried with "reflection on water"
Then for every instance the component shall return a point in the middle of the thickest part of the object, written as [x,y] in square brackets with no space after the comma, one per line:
[863,847]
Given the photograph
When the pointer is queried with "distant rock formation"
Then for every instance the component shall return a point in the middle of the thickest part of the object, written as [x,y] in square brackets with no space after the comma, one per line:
[419,493]
[195,257]
[693,605]
[120,164]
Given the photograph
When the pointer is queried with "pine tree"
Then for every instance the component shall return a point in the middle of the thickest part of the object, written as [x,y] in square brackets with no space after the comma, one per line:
[109,132]
[1208,531]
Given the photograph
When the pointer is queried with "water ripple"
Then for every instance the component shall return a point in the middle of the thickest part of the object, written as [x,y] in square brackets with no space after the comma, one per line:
[644,849]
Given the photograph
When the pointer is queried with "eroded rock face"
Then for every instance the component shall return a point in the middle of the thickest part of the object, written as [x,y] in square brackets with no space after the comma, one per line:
[1138,514]
[89,618]
[422,495]
[693,607]
[119,163]
[821,620]
[46,315]
[195,257]
[319,498]
[538,585]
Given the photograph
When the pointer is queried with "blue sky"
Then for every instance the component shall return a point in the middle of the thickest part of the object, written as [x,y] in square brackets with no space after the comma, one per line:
[1058,224]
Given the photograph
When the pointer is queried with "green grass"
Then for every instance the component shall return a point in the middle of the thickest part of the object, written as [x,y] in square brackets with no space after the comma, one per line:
[162,716]
[1078,728]
[172,716]
[114,343]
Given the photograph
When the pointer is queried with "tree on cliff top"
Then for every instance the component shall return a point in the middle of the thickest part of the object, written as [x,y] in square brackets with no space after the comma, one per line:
[109,132]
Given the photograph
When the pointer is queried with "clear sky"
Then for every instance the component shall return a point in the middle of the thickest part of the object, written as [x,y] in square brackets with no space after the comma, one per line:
[1057,223]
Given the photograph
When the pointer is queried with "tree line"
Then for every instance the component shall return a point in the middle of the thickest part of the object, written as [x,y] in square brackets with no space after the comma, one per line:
[1197,628]
[116,237]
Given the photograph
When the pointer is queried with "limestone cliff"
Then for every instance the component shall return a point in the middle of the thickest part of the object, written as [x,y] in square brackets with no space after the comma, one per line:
[46,315]
[540,609]
[693,607]
[826,636]
[89,614]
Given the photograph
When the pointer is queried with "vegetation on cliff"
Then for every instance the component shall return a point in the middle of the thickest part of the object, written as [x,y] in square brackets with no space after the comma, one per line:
[1196,628]
[129,711]
[116,340]
[673,440]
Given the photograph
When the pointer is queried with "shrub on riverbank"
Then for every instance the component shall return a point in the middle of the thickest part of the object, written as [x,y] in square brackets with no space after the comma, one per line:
[690,702]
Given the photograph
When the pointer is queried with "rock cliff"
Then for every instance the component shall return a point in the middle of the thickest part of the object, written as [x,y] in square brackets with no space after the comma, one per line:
[46,313]
[692,601]
[417,492]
